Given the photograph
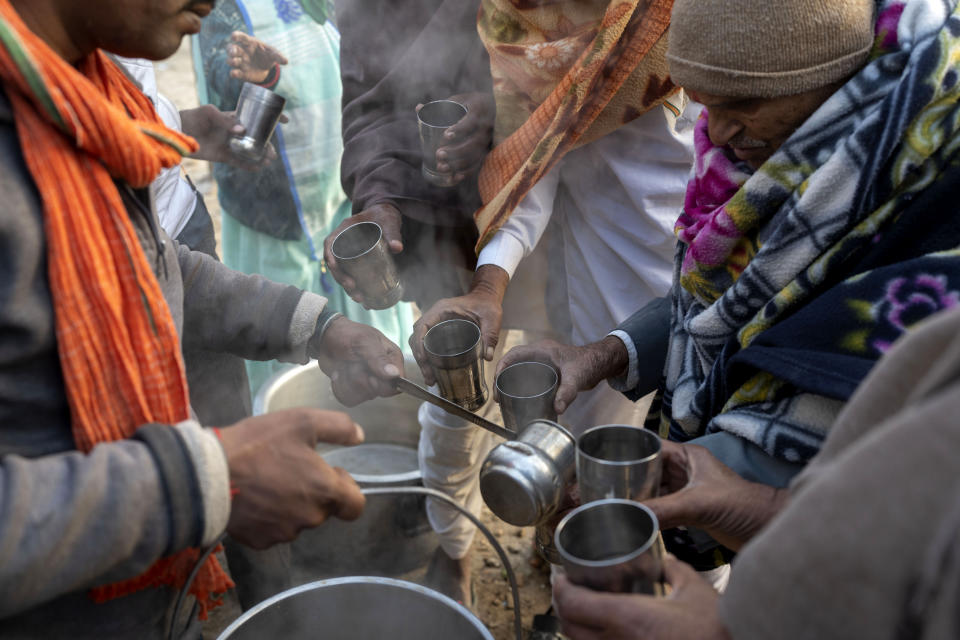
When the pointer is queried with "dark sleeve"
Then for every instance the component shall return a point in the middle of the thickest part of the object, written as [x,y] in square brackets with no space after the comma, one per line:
[393,57]
[648,331]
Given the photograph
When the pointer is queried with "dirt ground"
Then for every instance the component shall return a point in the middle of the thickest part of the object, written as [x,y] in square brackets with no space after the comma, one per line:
[494,605]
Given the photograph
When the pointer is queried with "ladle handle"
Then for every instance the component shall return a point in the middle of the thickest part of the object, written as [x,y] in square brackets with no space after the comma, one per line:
[415,390]
[433,493]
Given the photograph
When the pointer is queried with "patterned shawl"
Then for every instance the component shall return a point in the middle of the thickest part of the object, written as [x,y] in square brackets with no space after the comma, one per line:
[117,342]
[794,279]
[565,72]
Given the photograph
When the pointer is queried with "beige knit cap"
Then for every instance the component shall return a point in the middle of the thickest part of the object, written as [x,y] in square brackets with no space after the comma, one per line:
[767,48]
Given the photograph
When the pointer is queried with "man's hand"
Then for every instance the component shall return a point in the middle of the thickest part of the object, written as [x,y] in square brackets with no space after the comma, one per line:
[689,612]
[468,141]
[251,60]
[697,490]
[213,130]
[282,485]
[361,362]
[482,306]
[389,219]
[580,368]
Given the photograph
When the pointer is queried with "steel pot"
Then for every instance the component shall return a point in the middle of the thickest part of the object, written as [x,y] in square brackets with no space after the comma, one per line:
[358,608]
[392,537]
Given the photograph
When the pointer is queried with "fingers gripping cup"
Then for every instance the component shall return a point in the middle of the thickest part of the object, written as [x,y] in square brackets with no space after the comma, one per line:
[434,118]
[618,461]
[362,252]
[527,391]
[454,350]
[258,110]
[613,546]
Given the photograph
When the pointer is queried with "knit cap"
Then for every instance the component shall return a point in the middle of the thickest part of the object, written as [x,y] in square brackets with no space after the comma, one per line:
[767,48]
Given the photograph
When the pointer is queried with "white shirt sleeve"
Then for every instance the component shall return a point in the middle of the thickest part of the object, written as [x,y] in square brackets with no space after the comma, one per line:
[520,234]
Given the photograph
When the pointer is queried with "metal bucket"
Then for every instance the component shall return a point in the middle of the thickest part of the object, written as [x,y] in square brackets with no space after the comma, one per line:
[358,608]
[392,537]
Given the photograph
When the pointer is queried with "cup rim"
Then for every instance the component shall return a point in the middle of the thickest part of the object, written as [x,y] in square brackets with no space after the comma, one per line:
[572,559]
[552,387]
[437,126]
[460,353]
[362,253]
[618,463]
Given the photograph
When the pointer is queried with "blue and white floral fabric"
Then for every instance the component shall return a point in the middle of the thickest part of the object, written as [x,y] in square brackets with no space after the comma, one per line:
[848,236]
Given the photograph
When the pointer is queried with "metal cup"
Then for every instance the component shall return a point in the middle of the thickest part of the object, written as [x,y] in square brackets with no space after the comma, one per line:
[434,118]
[612,545]
[361,251]
[523,481]
[258,110]
[454,349]
[618,461]
[527,390]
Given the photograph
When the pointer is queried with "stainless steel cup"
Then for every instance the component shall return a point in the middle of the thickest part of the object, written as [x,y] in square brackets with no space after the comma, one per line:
[362,252]
[454,349]
[527,390]
[618,461]
[523,481]
[258,110]
[434,118]
[612,545]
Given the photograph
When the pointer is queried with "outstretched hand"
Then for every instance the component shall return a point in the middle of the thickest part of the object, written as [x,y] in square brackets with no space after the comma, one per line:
[689,612]
[580,368]
[697,490]
[361,362]
[250,59]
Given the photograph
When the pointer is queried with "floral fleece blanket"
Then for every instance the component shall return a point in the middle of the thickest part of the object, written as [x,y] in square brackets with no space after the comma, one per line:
[794,279]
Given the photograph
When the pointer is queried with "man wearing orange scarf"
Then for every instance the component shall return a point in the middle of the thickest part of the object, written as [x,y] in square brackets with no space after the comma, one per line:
[108,489]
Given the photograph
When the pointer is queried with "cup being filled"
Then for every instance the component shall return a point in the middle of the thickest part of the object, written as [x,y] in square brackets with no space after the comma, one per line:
[362,252]
[527,391]
[618,461]
[612,546]
[454,350]
[258,110]
[433,119]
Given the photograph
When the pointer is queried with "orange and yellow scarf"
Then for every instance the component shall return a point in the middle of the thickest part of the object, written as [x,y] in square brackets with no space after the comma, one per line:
[80,128]
[565,72]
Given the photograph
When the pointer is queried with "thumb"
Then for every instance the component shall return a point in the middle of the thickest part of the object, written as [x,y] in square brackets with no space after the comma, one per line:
[382,358]
[490,334]
[391,233]
[671,510]
[334,427]
[678,574]
[566,394]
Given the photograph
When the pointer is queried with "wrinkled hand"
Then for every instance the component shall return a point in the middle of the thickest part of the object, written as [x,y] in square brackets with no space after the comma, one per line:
[389,219]
[213,130]
[580,368]
[689,612]
[483,306]
[250,59]
[282,486]
[468,141]
[361,362]
[697,490]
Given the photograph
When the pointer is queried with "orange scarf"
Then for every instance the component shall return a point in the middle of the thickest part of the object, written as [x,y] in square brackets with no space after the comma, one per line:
[565,72]
[117,341]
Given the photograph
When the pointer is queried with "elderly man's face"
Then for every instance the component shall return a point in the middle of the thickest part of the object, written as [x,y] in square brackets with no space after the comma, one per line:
[756,127]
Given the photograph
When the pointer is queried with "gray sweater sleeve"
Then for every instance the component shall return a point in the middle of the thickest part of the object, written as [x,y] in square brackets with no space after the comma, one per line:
[72,521]
[246,315]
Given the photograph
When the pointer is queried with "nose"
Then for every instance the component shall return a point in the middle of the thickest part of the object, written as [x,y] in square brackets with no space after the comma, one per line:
[721,127]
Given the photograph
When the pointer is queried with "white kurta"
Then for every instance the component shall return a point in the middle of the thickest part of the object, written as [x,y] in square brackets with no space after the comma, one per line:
[615,202]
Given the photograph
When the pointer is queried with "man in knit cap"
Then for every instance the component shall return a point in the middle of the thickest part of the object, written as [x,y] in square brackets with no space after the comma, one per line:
[805,247]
